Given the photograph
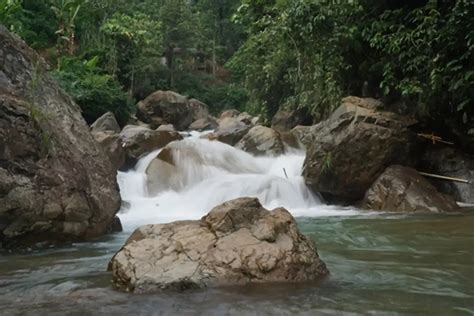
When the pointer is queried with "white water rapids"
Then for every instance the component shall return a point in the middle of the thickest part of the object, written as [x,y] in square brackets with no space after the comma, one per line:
[221,173]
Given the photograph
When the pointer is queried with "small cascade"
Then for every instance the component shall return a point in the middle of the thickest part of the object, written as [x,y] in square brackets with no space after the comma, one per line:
[207,173]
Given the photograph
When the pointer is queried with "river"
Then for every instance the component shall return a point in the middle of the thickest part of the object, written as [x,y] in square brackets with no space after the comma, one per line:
[380,263]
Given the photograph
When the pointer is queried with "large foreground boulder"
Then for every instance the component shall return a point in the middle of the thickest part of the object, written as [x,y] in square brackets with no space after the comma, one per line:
[353,147]
[168,107]
[56,183]
[236,243]
[402,189]
[261,140]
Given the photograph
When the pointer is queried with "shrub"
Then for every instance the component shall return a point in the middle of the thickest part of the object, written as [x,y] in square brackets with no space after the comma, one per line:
[94,92]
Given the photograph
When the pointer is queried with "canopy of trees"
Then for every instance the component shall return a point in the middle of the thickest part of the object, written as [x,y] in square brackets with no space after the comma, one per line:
[110,53]
[259,55]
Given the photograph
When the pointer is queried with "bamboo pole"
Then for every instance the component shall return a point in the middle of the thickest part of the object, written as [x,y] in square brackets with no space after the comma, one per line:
[437,176]
[435,139]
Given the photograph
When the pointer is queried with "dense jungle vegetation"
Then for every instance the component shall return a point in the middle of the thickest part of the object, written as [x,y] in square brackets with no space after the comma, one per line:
[259,55]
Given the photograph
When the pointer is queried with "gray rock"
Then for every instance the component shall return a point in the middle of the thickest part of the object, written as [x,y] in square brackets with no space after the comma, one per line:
[284,120]
[238,242]
[166,107]
[106,123]
[166,128]
[232,113]
[199,109]
[111,143]
[138,140]
[353,147]
[261,140]
[402,189]
[305,134]
[245,118]
[229,131]
[56,183]
[290,141]
[203,124]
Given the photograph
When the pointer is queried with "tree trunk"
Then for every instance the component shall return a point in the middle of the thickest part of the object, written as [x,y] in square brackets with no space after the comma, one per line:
[170,62]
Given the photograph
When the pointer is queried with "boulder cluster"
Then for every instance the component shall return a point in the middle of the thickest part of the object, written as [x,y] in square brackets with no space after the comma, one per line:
[366,156]
[165,116]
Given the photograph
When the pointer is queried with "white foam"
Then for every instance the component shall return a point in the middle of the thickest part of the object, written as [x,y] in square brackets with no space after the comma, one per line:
[220,173]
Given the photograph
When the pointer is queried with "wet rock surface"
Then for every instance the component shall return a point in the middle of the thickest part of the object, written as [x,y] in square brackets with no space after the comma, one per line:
[402,189]
[237,242]
[56,183]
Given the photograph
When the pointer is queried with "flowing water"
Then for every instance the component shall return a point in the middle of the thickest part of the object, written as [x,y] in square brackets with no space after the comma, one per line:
[381,264]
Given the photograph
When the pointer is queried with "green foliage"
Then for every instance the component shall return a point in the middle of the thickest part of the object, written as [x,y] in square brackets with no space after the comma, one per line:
[137,46]
[66,12]
[95,93]
[10,13]
[218,96]
[294,55]
[32,20]
[298,54]
[427,55]
[326,163]
[138,29]
[137,43]
[310,53]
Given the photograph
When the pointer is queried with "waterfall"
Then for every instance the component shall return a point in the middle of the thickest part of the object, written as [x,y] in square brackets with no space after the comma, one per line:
[208,173]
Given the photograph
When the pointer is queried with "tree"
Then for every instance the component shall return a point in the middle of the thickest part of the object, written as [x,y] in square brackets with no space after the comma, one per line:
[180,32]
[66,13]
[135,37]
